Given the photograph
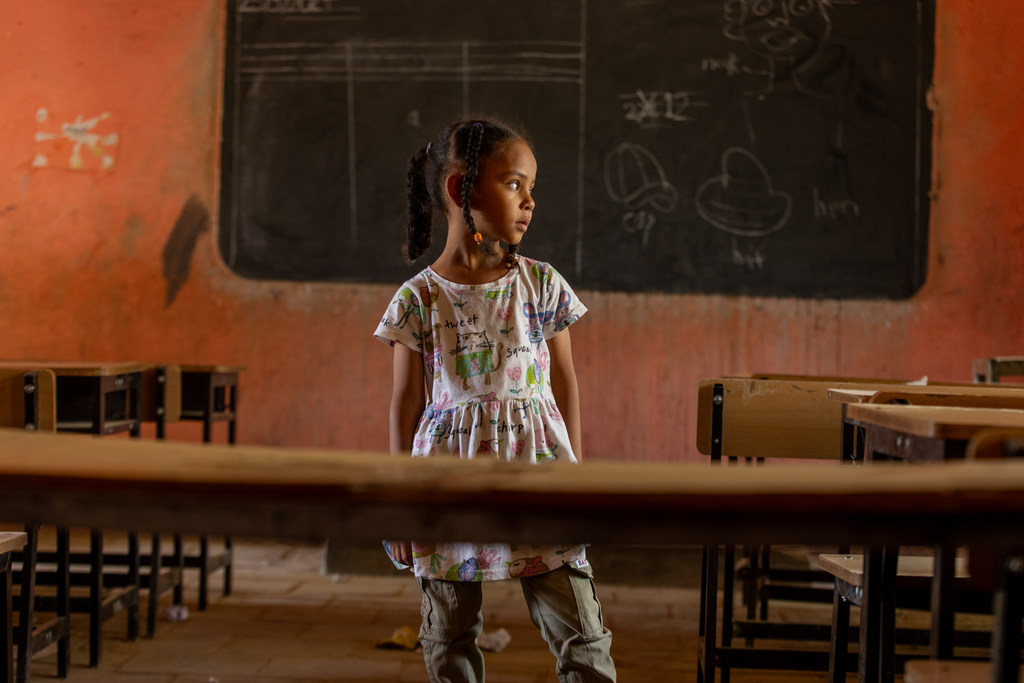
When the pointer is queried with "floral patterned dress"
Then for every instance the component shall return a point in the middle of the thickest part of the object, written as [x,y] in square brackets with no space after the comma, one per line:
[486,360]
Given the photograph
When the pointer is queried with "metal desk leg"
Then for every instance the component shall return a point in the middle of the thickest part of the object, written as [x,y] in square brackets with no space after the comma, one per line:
[1009,610]
[840,646]
[877,612]
[709,623]
[6,621]
[942,602]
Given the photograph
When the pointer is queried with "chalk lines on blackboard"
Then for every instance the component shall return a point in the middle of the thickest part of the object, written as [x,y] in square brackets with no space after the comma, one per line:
[787,29]
[634,178]
[658,107]
[793,37]
[741,201]
[302,9]
[523,61]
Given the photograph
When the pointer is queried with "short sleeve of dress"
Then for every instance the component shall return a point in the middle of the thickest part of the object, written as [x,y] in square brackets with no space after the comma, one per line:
[404,320]
[562,300]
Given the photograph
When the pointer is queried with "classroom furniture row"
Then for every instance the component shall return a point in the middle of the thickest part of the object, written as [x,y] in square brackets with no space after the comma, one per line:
[52,577]
[851,421]
[314,494]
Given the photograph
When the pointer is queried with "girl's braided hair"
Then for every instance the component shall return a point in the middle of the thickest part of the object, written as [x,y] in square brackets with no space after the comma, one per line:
[459,147]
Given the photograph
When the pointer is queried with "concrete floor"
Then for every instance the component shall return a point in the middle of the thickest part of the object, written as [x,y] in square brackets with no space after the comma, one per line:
[288,620]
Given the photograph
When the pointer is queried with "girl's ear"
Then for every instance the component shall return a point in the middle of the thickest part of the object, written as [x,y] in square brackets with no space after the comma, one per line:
[453,186]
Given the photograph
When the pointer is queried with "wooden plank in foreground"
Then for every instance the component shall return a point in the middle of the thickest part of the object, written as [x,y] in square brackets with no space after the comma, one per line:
[314,494]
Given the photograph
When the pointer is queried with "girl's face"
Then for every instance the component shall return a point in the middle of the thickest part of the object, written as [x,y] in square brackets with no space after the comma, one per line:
[502,202]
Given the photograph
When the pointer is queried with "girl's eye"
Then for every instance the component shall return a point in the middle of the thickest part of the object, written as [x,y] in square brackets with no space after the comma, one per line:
[514,184]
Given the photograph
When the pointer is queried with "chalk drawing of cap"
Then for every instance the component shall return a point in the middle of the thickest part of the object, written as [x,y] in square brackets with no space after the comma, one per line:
[742,201]
[634,178]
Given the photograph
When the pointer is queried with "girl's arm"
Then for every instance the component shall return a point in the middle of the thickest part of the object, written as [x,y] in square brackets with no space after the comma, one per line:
[407,403]
[407,398]
[565,389]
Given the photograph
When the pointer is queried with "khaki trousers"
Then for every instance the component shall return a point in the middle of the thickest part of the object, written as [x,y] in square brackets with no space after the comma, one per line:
[563,605]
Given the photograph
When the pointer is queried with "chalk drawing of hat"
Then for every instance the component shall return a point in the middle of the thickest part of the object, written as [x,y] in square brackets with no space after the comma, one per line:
[742,200]
[634,178]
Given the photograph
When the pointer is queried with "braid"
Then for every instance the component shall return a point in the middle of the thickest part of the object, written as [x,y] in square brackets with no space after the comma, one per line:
[476,136]
[419,231]
[512,255]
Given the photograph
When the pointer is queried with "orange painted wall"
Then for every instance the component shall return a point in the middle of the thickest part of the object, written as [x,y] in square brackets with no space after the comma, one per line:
[81,250]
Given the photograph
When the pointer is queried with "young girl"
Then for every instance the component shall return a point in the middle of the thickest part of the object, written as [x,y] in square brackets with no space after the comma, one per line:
[483,368]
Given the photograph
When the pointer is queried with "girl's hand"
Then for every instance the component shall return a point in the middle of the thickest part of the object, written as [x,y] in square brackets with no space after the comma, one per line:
[401,551]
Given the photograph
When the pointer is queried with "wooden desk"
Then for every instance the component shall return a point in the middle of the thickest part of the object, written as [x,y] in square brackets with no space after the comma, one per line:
[994,369]
[762,418]
[313,494]
[94,397]
[780,417]
[743,417]
[316,494]
[160,396]
[10,541]
[28,399]
[925,433]
[962,396]
[767,417]
[102,398]
[917,434]
[209,393]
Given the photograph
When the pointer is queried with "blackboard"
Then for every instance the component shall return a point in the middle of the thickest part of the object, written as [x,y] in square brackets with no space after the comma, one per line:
[755,147]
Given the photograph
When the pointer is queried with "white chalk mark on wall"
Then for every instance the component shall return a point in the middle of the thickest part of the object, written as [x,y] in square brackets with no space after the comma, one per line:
[85,147]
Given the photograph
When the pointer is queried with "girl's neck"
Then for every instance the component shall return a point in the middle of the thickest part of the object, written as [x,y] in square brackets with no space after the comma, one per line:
[464,261]
[471,269]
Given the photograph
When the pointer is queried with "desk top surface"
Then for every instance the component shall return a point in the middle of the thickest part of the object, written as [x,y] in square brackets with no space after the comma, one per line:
[864,395]
[850,568]
[851,395]
[942,422]
[76,368]
[316,494]
[214,369]
[12,540]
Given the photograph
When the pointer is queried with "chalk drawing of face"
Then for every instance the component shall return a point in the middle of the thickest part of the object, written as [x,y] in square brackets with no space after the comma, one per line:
[778,29]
